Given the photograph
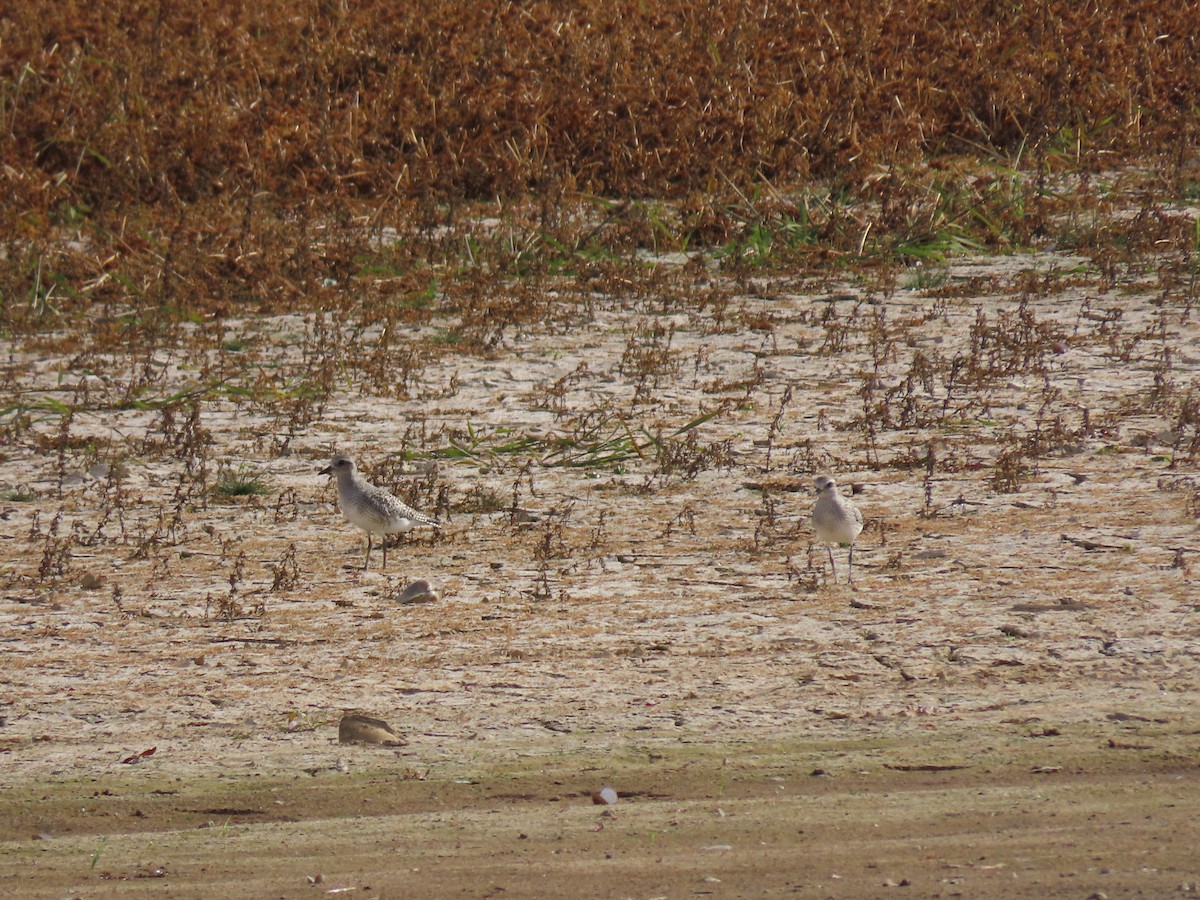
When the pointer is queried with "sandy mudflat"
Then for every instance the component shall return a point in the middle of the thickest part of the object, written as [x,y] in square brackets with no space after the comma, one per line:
[1003,704]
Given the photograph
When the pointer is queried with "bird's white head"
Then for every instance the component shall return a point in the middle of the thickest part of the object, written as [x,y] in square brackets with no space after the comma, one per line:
[341,464]
[824,483]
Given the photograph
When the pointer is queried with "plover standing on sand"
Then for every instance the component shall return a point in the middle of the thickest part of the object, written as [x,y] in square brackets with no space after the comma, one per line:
[835,520]
[371,508]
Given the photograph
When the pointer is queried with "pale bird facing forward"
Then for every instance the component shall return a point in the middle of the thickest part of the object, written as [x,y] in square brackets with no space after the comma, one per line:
[835,520]
[371,508]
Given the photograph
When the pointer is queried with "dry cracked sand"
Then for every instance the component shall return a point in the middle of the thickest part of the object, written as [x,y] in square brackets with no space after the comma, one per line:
[1003,704]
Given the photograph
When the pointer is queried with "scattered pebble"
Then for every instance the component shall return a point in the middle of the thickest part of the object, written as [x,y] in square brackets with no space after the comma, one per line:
[604,796]
[420,591]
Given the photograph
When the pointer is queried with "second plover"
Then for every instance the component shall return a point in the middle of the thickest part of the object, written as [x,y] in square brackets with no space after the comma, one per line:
[835,520]
[371,508]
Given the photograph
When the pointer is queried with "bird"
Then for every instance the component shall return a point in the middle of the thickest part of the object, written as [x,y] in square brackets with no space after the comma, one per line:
[835,520]
[371,508]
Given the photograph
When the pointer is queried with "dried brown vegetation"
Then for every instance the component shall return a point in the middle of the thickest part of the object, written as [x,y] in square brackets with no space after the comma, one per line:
[210,159]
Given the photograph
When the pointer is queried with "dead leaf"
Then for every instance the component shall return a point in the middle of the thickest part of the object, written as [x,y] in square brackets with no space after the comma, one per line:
[138,757]
[359,729]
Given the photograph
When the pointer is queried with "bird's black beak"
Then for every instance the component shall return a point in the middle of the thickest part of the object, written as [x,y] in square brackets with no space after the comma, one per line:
[328,470]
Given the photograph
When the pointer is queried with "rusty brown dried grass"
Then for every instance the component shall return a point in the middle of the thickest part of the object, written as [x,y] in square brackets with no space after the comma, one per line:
[217,159]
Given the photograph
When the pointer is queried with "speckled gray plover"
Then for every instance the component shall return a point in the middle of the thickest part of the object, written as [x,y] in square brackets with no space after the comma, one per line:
[371,508]
[835,520]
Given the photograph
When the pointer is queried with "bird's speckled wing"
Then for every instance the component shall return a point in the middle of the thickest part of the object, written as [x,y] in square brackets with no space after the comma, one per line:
[391,509]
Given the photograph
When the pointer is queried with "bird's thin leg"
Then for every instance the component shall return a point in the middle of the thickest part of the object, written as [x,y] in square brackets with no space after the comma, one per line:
[367,561]
[850,579]
[832,564]
[383,540]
